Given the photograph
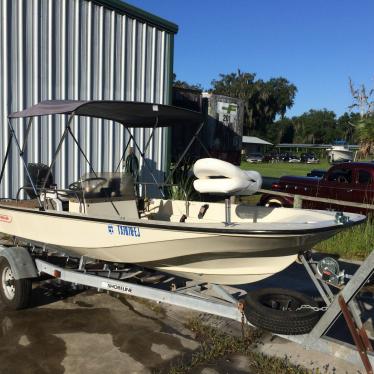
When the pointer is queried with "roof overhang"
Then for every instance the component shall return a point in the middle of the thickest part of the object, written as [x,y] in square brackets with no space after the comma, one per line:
[254,140]
[138,13]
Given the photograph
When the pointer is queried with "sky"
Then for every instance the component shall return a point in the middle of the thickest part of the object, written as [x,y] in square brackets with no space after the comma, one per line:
[317,45]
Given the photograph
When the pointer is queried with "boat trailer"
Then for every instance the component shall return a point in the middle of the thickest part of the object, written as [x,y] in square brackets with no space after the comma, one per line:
[207,298]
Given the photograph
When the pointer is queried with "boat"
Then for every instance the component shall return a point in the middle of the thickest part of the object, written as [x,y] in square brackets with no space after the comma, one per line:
[102,216]
[339,152]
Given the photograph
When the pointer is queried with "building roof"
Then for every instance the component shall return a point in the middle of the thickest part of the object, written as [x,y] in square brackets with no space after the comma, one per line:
[138,13]
[254,140]
[319,146]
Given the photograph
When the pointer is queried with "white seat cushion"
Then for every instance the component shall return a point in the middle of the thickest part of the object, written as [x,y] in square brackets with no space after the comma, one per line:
[209,170]
[227,186]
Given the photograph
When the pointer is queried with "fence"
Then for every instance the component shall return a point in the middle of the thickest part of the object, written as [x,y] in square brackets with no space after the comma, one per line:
[298,199]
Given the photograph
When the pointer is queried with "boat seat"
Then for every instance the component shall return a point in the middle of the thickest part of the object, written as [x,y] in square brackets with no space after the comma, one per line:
[220,177]
[40,177]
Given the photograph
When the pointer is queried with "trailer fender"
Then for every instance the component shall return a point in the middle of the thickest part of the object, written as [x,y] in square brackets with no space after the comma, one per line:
[21,262]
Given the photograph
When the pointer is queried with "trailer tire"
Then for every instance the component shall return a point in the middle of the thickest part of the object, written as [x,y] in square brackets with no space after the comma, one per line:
[274,310]
[14,293]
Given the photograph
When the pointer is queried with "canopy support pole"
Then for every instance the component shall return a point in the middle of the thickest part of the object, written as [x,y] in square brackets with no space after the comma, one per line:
[89,163]
[145,149]
[24,163]
[81,150]
[185,151]
[146,162]
[6,156]
[150,137]
[203,146]
[66,131]
[27,134]
[142,154]
[123,155]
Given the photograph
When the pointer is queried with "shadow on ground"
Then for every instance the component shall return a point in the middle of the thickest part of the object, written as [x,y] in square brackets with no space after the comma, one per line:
[73,331]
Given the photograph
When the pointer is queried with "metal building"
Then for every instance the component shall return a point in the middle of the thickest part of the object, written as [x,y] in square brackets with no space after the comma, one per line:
[80,49]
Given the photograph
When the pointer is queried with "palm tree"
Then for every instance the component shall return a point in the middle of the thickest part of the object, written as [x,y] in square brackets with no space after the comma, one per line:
[365,126]
[365,132]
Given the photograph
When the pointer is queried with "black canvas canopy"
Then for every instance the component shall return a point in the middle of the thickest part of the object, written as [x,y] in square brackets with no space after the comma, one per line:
[129,113]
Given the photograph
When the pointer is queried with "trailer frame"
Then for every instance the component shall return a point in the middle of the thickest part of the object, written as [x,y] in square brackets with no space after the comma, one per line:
[215,299]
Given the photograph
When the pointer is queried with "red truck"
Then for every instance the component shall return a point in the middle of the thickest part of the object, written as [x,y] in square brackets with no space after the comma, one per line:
[352,182]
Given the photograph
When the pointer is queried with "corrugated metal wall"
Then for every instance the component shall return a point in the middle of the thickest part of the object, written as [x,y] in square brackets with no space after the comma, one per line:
[76,49]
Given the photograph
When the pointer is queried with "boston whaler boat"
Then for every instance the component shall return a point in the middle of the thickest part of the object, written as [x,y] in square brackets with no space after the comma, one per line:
[102,216]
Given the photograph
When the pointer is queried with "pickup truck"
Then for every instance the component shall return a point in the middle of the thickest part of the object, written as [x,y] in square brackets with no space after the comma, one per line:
[353,181]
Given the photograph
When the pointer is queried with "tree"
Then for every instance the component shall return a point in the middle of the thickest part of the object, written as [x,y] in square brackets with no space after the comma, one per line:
[346,127]
[364,102]
[282,131]
[263,100]
[315,127]
[183,84]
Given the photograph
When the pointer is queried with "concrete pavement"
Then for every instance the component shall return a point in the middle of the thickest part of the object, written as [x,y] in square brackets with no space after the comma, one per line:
[87,332]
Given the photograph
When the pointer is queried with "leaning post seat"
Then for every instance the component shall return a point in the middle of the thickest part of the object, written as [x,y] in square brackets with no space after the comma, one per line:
[220,177]
[38,173]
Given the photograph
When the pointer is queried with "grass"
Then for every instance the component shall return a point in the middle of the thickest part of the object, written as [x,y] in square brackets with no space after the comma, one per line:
[355,243]
[279,169]
[215,345]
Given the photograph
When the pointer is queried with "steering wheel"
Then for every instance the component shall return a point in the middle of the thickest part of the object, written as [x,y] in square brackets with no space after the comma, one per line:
[78,185]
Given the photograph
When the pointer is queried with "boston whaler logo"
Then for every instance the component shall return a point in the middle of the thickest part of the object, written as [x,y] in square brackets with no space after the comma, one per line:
[124,230]
[5,218]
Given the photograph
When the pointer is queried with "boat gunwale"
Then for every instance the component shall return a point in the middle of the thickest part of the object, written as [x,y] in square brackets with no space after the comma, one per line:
[163,226]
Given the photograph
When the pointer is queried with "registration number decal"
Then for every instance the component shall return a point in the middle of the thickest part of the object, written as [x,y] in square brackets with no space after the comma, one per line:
[124,230]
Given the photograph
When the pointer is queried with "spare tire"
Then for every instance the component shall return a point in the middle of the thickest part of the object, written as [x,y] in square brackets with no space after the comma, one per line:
[275,310]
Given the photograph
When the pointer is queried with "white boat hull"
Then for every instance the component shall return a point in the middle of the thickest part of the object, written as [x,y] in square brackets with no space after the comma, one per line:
[338,155]
[225,256]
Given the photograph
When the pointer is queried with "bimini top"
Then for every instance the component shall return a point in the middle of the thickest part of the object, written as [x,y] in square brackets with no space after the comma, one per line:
[129,113]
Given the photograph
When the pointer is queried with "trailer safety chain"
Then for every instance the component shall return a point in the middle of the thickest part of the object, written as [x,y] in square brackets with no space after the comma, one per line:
[315,308]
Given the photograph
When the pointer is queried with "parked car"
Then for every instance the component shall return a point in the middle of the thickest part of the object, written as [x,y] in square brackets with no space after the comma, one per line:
[285,156]
[309,158]
[254,157]
[294,159]
[352,182]
[271,157]
[289,157]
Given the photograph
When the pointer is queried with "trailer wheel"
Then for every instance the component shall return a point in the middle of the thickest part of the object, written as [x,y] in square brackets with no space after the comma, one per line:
[14,293]
[275,310]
